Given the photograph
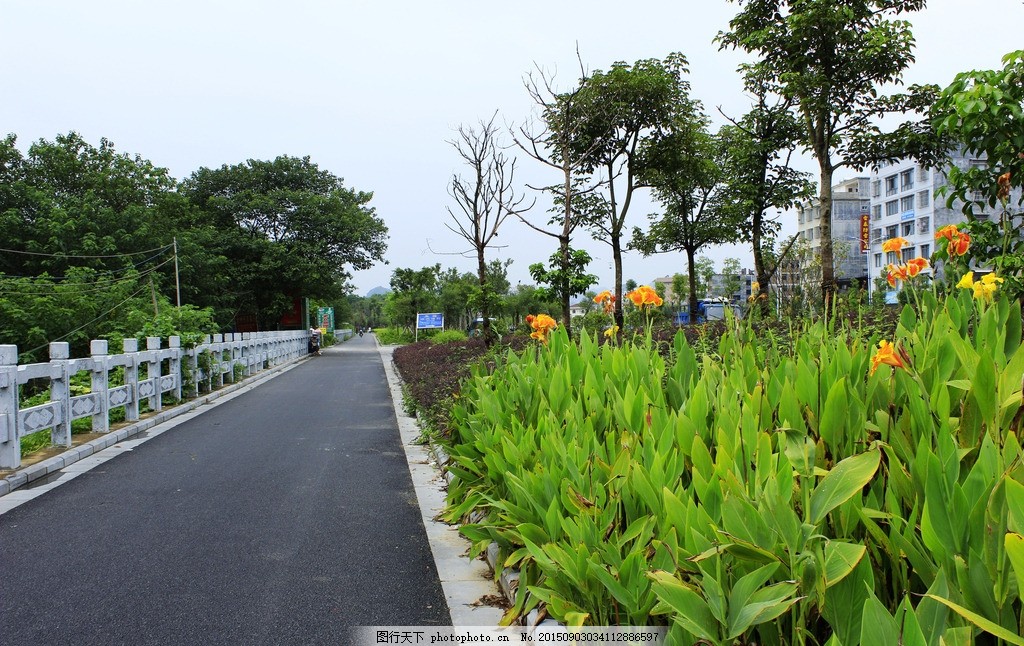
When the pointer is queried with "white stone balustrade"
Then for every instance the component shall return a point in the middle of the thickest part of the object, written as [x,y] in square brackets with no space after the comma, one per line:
[209,365]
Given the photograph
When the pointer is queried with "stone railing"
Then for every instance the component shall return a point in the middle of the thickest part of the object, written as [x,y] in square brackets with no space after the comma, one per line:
[147,375]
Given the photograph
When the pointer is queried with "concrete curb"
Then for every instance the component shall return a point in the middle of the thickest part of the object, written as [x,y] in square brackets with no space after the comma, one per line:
[40,470]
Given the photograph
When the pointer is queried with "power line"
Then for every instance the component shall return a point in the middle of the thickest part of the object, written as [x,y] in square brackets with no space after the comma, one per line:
[106,284]
[65,255]
[108,271]
[84,325]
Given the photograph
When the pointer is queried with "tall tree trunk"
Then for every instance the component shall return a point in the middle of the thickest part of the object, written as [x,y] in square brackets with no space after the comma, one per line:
[617,256]
[691,264]
[485,299]
[828,270]
[763,279]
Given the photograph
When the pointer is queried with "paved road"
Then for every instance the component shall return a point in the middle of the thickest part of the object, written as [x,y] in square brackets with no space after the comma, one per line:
[280,517]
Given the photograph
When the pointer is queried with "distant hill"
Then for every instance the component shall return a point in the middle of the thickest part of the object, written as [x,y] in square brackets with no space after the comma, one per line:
[377,290]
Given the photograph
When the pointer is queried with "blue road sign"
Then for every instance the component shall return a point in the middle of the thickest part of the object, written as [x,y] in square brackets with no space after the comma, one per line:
[430,321]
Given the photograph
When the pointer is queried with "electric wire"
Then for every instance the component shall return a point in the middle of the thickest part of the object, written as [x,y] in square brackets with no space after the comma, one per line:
[106,284]
[87,324]
[105,271]
[65,255]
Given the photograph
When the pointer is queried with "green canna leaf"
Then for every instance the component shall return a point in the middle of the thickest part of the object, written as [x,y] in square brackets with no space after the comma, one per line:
[691,610]
[842,483]
[1014,544]
[835,414]
[988,626]
[878,627]
[840,559]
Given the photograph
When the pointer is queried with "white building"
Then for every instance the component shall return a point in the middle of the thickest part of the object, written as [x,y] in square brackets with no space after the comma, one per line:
[849,202]
[904,204]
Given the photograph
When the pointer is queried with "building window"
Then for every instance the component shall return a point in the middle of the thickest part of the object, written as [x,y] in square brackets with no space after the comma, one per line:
[924,198]
[876,212]
[891,187]
[892,208]
[908,254]
[922,174]
[878,260]
[891,258]
[907,180]
[892,231]
[876,188]
[926,250]
[876,236]
[908,228]
[923,225]
[907,203]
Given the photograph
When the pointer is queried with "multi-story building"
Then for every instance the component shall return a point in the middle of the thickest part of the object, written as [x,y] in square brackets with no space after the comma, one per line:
[742,282]
[850,201]
[904,204]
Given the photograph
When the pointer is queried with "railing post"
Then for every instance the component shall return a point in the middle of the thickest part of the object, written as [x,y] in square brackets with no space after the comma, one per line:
[153,372]
[100,386]
[192,359]
[216,359]
[10,443]
[131,378]
[60,392]
[174,343]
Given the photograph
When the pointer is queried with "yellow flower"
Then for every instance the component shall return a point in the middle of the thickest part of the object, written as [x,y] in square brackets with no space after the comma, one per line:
[966,281]
[755,286]
[984,289]
[612,331]
[542,324]
[886,354]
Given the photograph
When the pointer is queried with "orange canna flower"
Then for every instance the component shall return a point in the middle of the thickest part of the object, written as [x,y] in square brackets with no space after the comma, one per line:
[887,355]
[915,266]
[959,245]
[542,324]
[607,299]
[948,232]
[894,244]
[896,273]
[644,296]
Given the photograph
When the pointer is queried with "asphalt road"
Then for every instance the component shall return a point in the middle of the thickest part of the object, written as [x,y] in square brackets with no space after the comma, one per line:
[283,516]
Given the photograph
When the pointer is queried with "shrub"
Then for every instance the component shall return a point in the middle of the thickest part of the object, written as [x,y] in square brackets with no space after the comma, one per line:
[393,335]
[448,336]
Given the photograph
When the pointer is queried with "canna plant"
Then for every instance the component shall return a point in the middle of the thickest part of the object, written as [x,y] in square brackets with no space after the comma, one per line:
[834,489]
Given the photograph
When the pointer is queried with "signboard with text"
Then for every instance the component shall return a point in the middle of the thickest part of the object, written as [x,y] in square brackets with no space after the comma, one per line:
[865,232]
[325,318]
[431,321]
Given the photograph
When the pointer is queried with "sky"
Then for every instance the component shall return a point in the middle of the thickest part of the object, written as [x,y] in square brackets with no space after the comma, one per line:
[374,91]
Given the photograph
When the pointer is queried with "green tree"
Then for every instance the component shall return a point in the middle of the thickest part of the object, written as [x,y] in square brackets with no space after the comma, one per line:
[731,282]
[829,58]
[982,111]
[621,110]
[288,229]
[561,282]
[758,176]
[680,289]
[687,178]
[414,291]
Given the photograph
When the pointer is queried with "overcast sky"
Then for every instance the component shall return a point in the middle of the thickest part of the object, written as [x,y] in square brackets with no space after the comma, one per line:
[373,90]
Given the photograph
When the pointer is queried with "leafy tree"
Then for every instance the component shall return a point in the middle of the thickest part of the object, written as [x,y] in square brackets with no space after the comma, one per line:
[983,111]
[557,144]
[731,282]
[287,229]
[561,282]
[687,178]
[680,289]
[621,110]
[484,202]
[829,57]
[758,177]
[413,291]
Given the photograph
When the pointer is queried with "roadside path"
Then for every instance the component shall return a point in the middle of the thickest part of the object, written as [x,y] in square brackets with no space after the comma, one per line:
[282,516]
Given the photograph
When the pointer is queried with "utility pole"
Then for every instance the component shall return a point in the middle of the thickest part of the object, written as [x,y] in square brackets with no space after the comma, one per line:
[177,284]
